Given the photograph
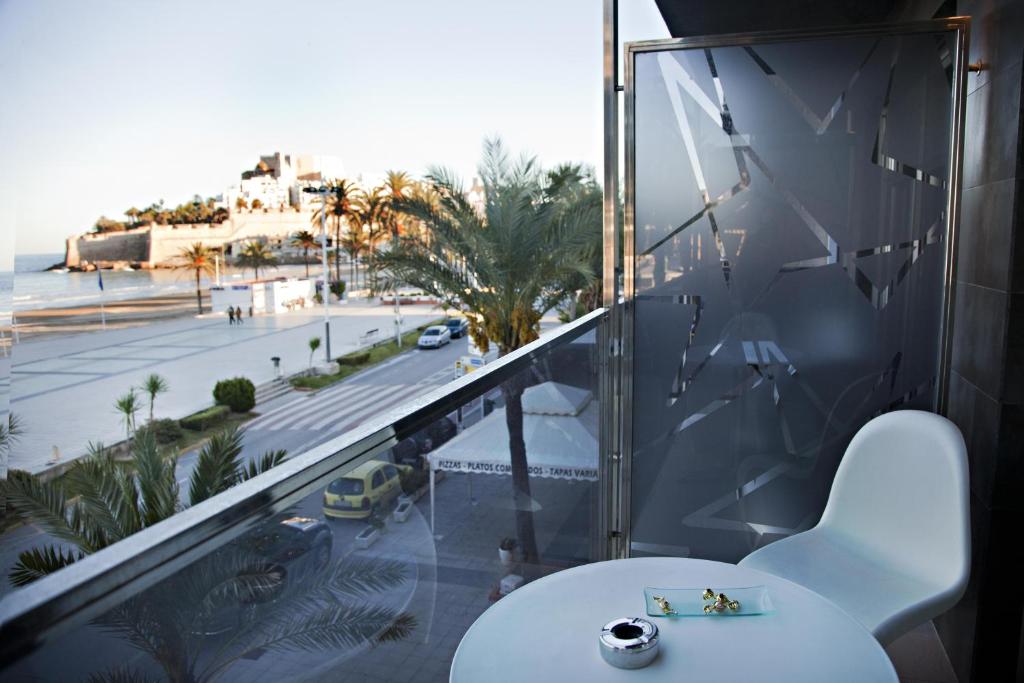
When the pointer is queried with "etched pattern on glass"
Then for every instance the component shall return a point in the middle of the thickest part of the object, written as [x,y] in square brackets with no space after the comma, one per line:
[788,280]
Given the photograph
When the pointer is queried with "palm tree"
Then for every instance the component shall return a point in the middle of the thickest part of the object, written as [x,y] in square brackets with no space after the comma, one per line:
[128,405]
[340,207]
[198,258]
[506,266]
[314,344]
[99,501]
[255,255]
[397,186]
[305,240]
[256,204]
[180,622]
[133,214]
[372,213]
[10,430]
[354,244]
[153,384]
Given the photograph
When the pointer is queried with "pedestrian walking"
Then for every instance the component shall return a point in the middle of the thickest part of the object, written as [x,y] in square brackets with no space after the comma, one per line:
[238,314]
[231,316]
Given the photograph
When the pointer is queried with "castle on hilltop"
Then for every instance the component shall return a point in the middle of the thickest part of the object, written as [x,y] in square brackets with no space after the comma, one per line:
[267,204]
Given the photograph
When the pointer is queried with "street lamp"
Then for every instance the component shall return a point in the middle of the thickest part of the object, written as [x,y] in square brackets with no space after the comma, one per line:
[323,191]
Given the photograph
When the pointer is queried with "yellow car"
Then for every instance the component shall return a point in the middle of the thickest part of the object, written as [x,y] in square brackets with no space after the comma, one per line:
[363,491]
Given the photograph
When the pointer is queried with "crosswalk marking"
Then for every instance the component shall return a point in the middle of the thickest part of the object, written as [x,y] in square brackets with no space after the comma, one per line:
[315,409]
[307,403]
[385,392]
[345,405]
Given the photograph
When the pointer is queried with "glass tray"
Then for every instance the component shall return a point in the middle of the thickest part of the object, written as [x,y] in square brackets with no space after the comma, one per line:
[689,602]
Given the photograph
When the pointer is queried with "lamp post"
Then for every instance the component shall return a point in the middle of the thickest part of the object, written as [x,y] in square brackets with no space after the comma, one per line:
[323,191]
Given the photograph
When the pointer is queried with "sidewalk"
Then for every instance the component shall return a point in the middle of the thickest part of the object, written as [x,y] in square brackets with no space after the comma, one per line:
[63,390]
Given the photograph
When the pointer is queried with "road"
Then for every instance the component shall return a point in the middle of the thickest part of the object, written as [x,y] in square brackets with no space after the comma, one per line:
[299,421]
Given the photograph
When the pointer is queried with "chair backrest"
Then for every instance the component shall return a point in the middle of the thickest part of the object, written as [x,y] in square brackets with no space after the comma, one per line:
[901,493]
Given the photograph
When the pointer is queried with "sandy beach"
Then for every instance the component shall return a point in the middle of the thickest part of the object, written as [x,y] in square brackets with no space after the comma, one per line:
[46,322]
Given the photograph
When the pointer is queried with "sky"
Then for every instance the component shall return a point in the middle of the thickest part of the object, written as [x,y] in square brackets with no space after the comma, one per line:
[111,104]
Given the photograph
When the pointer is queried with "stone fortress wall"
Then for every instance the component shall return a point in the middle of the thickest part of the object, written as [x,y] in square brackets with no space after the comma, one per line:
[155,245]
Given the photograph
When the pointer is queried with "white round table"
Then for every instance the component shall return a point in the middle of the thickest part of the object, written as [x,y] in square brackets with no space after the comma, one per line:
[548,630]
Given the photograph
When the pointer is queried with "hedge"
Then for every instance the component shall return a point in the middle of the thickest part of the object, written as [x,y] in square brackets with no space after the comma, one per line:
[354,358]
[204,419]
[164,430]
[237,393]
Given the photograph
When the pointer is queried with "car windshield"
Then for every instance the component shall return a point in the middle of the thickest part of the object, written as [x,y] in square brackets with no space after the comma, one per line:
[431,333]
[346,487]
[454,322]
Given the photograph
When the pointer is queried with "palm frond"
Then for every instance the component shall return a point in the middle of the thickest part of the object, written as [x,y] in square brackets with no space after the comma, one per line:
[158,487]
[121,674]
[45,504]
[332,627]
[97,483]
[217,468]
[265,462]
[39,562]
[359,577]
[400,629]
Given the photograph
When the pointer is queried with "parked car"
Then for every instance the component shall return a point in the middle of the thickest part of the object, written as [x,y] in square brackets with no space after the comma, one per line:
[410,451]
[291,542]
[434,337]
[457,326]
[363,491]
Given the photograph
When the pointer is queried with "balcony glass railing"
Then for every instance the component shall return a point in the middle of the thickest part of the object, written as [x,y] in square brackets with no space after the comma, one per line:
[365,559]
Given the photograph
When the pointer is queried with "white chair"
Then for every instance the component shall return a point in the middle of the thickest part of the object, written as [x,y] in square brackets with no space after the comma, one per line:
[893,546]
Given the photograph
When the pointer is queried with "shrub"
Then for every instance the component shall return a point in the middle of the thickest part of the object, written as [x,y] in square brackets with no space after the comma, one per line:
[354,358]
[204,419]
[237,393]
[413,480]
[338,288]
[164,430]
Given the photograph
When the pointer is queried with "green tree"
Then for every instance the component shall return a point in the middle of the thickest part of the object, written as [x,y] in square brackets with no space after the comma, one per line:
[256,204]
[104,224]
[353,242]
[305,241]
[133,215]
[340,209]
[200,259]
[397,187]
[255,255]
[314,344]
[241,204]
[505,267]
[100,501]
[153,385]
[179,622]
[128,404]
[373,215]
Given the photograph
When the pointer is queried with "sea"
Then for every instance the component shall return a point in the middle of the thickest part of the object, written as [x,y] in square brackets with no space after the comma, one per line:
[36,287]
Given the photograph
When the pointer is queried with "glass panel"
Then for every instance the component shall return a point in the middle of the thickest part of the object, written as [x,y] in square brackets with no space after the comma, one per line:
[302,595]
[789,240]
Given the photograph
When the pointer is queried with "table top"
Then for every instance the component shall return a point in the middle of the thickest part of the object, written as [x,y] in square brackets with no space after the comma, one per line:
[548,630]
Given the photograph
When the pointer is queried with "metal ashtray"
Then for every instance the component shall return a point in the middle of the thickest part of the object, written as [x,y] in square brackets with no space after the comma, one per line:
[630,643]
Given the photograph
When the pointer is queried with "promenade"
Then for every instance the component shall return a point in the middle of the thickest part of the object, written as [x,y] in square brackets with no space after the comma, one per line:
[63,389]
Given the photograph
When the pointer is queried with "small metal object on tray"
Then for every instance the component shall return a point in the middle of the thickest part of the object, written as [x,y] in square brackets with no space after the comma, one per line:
[629,643]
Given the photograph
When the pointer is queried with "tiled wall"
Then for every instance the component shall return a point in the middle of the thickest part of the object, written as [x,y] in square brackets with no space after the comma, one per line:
[983,634]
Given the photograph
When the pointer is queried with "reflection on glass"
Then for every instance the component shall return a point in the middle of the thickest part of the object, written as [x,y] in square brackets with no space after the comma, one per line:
[381,569]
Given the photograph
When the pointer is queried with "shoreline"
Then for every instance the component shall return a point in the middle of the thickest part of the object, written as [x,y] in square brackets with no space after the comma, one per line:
[41,323]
